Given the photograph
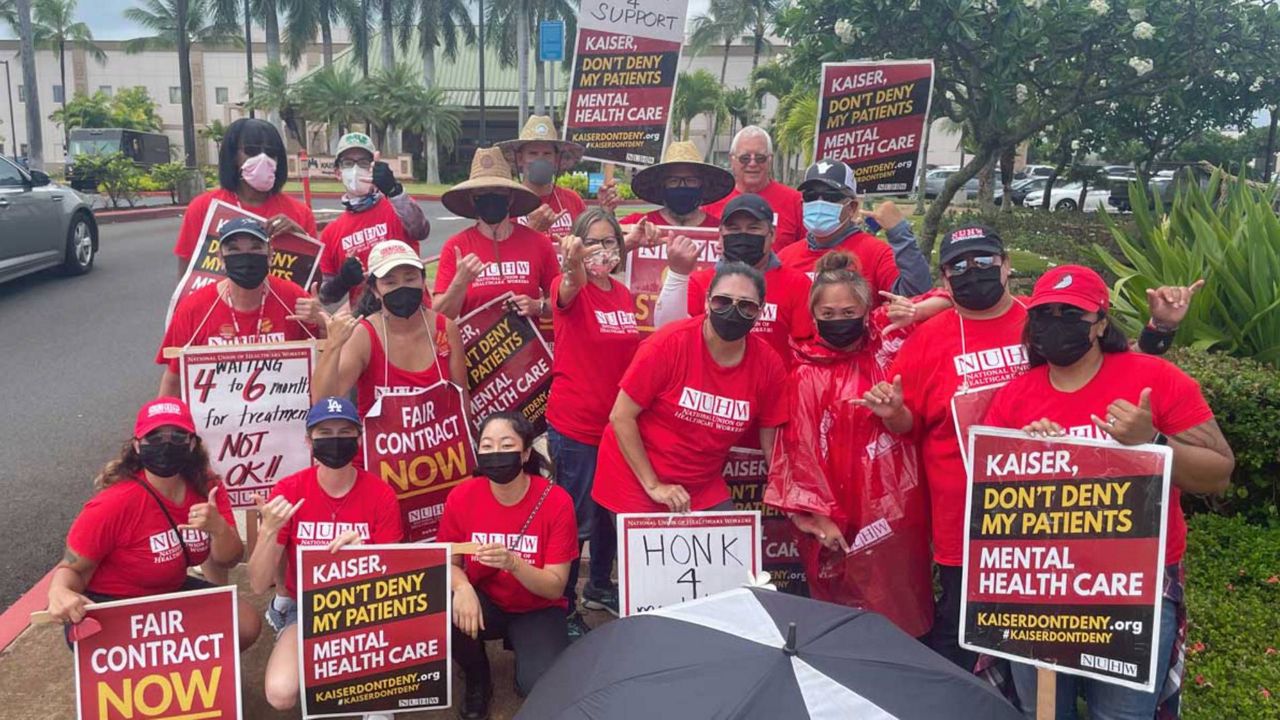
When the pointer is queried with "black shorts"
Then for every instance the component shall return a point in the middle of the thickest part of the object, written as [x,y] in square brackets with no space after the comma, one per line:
[191,583]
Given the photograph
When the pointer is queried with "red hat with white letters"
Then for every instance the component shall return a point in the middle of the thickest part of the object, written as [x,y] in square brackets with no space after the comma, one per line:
[1073,285]
[163,411]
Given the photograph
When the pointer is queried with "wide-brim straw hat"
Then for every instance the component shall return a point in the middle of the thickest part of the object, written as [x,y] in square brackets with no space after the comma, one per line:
[489,171]
[540,128]
[717,182]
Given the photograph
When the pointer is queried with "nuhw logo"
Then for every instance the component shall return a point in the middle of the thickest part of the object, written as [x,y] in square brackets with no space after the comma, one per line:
[617,319]
[323,532]
[506,269]
[524,544]
[715,405]
[768,312]
[164,409]
[1009,356]
[163,542]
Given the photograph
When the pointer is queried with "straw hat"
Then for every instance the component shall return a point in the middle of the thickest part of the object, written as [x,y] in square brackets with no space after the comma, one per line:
[489,170]
[539,128]
[716,182]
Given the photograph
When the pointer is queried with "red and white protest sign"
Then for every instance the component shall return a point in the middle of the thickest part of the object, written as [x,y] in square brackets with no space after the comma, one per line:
[665,559]
[872,115]
[746,473]
[374,627]
[508,363]
[625,63]
[163,656]
[293,257]
[647,269]
[1064,553]
[250,404]
[420,445]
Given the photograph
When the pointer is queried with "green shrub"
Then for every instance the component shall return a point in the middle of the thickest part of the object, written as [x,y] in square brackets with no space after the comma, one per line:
[117,176]
[1233,639]
[578,183]
[167,177]
[210,177]
[1063,238]
[1245,397]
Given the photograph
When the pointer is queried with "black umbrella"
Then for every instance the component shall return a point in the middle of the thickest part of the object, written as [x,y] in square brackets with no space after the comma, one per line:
[753,654]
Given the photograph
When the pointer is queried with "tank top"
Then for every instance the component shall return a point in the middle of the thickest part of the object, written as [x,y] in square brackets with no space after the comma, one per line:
[380,376]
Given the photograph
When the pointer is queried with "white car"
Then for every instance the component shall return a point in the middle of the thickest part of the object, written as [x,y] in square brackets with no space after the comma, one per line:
[1067,197]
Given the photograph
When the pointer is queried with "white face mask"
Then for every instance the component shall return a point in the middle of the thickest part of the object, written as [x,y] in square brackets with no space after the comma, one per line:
[357,183]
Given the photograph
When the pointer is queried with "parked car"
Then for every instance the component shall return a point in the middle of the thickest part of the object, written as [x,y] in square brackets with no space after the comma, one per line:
[1067,197]
[1033,171]
[1116,171]
[42,225]
[935,179]
[1164,185]
[1020,188]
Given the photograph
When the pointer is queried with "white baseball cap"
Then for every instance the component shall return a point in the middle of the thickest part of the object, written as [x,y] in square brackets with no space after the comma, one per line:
[390,254]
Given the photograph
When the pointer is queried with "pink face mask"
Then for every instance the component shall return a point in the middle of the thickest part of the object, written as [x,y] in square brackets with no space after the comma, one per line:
[259,172]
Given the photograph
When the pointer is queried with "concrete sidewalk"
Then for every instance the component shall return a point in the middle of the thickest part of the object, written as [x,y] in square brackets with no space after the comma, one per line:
[37,677]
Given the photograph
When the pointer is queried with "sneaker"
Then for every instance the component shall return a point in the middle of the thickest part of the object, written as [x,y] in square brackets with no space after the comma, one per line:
[605,598]
[475,701]
[577,626]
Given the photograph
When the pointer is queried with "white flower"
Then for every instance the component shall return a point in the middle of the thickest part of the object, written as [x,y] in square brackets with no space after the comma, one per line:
[1257,84]
[1099,6]
[1233,77]
[846,31]
[1137,14]
[1033,4]
[1144,31]
[950,96]
[1142,66]
[1020,93]
[1102,82]
[1075,144]
[1220,73]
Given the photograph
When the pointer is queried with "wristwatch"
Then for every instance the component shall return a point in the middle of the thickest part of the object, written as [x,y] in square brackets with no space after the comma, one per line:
[1160,439]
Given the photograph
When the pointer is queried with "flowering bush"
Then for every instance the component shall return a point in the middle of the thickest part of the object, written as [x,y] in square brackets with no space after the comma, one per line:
[1144,31]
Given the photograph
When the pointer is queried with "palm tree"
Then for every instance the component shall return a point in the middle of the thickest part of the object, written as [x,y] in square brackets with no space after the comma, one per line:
[724,22]
[697,93]
[303,20]
[55,27]
[740,107]
[762,13]
[513,25]
[333,95]
[396,98]
[795,129]
[272,92]
[214,131]
[9,14]
[439,23]
[26,38]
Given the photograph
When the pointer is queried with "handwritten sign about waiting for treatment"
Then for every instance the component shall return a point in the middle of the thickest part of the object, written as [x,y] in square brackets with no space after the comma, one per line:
[374,629]
[420,445]
[293,257]
[872,115]
[666,559]
[747,474]
[508,363]
[624,77]
[250,406]
[1064,554]
[163,656]
[647,269]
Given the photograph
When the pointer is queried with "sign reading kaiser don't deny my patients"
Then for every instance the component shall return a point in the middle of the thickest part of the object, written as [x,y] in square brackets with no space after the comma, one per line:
[1064,553]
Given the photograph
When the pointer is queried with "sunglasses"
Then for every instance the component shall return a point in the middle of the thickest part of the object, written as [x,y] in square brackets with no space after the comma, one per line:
[160,437]
[831,196]
[678,182]
[758,158]
[964,265]
[1066,313]
[748,309]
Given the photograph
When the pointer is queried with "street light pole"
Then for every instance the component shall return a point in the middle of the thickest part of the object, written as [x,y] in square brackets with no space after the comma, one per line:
[248,52]
[13,127]
[481,43]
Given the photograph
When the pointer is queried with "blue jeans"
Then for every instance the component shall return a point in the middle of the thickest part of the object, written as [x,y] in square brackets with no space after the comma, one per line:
[1105,701]
[575,465]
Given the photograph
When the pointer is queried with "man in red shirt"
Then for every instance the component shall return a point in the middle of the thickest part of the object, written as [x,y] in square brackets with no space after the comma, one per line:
[539,155]
[248,307]
[377,209]
[680,183]
[751,160]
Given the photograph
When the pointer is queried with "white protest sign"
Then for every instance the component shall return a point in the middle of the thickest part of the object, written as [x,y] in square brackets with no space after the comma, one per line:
[250,404]
[666,559]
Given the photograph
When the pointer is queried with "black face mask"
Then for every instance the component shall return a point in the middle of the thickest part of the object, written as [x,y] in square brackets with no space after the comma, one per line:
[682,200]
[334,452]
[1061,342]
[403,301]
[730,325]
[247,270]
[492,209]
[165,459]
[979,289]
[500,467]
[744,247]
[841,332]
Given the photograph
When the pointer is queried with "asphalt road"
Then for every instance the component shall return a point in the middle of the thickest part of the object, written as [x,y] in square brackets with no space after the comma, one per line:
[76,361]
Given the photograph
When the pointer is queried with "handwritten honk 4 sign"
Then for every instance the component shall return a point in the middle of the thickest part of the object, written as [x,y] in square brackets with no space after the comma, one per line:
[666,559]
[1064,553]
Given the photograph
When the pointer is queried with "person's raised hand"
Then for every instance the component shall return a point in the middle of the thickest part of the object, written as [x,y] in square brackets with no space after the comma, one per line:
[276,512]
[351,273]
[642,234]
[1169,304]
[309,309]
[468,266]
[573,250]
[385,180]
[886,213]
[902,311]
[884,399]
[339,327]
[282,224]
[608,196]
[682,254]
[205,516]
[541,219]
[1129,424]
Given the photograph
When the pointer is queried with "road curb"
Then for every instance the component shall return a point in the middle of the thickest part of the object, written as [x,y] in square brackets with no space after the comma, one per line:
[112,217]
[16,619]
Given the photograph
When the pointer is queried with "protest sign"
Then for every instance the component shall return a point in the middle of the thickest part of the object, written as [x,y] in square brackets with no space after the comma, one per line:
[162,656]
[624,77]
[420,444]
[872,115]
[1064,553]
[250,404]
[647,269]
[508,364]
[665,559]
[374,624]
[293,257]
[747,474]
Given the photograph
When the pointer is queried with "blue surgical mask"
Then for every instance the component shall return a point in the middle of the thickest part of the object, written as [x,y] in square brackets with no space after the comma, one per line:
[822,218]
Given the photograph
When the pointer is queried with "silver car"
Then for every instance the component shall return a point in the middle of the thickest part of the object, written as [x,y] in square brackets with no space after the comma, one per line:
[42,225]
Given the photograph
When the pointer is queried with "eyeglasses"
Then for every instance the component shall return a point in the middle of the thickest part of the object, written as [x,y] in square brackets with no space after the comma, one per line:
[964,265]
[1067,313]
[678,182]
[608,243]
[348,163]
[832,196]
[759,159]
[160,437]
[748,309]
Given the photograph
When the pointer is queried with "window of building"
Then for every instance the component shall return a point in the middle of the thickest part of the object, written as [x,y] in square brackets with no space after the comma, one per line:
[105,90]
[22,93]
[175,95]
[220,95]
[57,93]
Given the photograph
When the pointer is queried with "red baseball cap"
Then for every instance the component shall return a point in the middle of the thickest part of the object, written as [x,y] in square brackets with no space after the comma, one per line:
[163,411]
[1074,285]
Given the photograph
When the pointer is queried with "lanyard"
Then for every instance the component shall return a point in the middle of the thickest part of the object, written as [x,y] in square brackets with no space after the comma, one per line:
[386,348]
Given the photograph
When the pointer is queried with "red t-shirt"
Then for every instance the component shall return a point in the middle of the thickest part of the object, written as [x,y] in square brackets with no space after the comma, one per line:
[596,337]
[567,204]
[473,514]
[525,264]
[276,204]
[786,307]
[206,318]
[124,531]
[709,220]
[353,234]
[369,507]
[938,359]
[380,376]
[875,259]
[788,212]
[694,411]
[1177,405]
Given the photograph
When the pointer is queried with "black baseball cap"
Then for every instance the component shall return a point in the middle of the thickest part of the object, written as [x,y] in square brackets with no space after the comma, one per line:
[751,204]
[968,239]
[243,226]
[830,174]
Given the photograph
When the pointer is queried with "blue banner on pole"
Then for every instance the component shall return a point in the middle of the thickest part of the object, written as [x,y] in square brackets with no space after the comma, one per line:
[594,181]
[551,40]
